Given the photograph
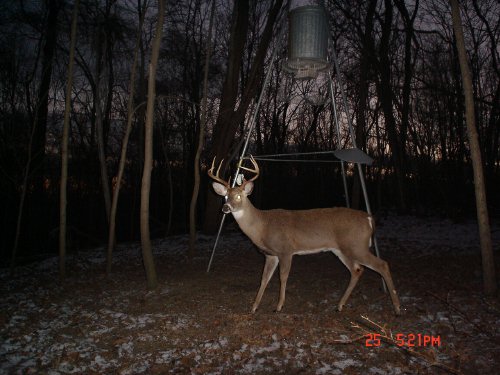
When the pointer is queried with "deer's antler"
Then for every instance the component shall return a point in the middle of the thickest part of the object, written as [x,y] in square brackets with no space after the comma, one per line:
[216,176]
[255,170]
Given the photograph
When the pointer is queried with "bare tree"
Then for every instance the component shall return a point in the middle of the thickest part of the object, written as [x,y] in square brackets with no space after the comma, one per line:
[37,139]
[201,135]
[41,112]
[22,200]
[106,33]
[489,279]
[99,123]
[147,253]
[231,110]
[386,95]
[64,148]
[141,7]
[492,136]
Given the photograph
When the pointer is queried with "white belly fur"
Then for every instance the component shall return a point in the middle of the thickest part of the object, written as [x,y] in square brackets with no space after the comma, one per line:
[337,252]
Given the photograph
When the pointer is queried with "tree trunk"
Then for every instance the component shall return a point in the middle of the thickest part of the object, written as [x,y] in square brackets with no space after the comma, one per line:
[201,135]
[491,137]
[41,111]
[147,253]
[37,171]
[363,87]
[126,136]
[22,200]
[101,146]
[64,148]
[408,67]
[230,117]
[386,96]
[102,97]
[489,279]
[228,101]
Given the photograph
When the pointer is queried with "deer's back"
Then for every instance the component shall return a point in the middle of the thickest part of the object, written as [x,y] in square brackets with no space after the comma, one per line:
[315,229]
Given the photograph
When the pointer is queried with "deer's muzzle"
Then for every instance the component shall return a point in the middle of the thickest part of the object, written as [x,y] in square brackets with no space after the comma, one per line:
[226,208]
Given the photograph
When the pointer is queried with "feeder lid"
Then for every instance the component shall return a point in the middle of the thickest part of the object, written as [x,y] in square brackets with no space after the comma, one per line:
[353,155]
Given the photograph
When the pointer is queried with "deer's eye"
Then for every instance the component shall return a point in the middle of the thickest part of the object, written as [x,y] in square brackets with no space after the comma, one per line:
[238,197]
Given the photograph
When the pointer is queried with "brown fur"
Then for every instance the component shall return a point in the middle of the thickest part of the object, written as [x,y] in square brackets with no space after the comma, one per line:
[280,234]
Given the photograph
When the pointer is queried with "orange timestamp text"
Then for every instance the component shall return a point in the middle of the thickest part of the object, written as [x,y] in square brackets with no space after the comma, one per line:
[401,339]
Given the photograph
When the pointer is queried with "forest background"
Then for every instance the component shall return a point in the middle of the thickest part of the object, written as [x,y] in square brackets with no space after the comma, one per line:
[399,67]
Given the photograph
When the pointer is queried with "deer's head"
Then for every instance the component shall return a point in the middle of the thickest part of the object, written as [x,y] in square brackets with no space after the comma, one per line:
[236,197]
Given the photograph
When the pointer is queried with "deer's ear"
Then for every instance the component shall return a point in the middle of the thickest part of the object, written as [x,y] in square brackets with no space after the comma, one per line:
[248,188]
[219,188]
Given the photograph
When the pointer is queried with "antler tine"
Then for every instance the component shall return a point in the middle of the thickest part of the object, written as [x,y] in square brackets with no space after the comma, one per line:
[256,169]
[216,176]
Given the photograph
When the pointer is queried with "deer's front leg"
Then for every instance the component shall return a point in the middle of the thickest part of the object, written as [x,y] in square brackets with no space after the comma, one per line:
[269,268]
[285,265]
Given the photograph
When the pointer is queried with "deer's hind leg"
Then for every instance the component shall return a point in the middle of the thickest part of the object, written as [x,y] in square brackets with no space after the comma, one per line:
[356,271]
[379,265]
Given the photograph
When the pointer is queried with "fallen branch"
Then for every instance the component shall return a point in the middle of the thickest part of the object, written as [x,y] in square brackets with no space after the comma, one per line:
[478,327]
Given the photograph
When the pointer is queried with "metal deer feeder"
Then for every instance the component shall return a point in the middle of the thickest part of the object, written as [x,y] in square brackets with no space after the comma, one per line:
[307,41]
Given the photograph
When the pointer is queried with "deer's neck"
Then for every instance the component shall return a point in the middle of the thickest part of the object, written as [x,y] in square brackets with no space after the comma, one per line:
[249,219]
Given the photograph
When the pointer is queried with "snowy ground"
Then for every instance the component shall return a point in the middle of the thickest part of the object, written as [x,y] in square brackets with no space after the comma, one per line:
[199,323]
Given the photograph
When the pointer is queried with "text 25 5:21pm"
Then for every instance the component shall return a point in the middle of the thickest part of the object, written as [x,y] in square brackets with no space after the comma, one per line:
[401,339]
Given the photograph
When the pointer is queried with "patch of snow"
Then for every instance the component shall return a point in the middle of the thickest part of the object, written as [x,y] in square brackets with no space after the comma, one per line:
[135,368]
[327,369]
[275,345]
[345,363]
[375,370]
[127,348]
[255,365]
[100,363]
[432,232]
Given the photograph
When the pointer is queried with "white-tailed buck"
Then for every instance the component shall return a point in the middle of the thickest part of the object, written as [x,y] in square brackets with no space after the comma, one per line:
[280,234]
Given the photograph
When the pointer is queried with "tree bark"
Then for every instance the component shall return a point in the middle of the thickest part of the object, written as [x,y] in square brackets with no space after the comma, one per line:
[64,148]
[100,137]
[230,117]
[408,66]
[362,88]
[126,136]
[386,96]
[41,112]
[488,262]
[201,135]
[37,165]
[492,136]
[22,200]
[147,253]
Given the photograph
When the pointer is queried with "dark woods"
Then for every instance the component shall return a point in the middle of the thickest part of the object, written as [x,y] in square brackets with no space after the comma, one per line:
[400,68]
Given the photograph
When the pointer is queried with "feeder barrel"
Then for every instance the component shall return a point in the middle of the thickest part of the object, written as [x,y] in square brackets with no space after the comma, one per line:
[307,39]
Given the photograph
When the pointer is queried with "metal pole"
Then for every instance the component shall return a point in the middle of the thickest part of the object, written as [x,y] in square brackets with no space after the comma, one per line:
[216,241]
[358,165]
[351,131]
[342,165]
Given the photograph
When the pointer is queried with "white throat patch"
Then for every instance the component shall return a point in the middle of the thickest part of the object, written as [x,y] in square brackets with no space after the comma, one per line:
[237,214]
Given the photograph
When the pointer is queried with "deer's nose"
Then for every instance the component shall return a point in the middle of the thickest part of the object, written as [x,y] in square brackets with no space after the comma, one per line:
[226,208]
